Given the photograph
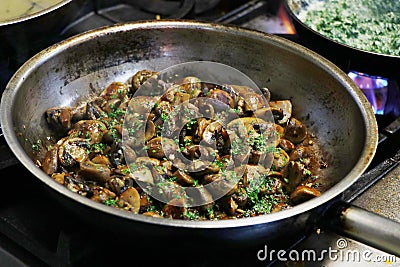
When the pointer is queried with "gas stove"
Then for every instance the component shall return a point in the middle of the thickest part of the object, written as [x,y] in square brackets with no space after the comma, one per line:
[37,231]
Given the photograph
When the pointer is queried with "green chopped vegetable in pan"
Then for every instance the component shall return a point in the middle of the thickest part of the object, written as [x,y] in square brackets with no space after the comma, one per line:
[368,25]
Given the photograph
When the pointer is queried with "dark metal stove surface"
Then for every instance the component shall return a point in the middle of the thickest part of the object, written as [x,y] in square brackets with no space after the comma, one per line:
[36,231]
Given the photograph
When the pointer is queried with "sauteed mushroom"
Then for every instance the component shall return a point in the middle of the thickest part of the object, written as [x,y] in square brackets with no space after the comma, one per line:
[91,130]
[72,150]
[303,193]
[235,150]
[295,131]
[95,172]
[50,161]
[59,119]
[132,197]
[140,77]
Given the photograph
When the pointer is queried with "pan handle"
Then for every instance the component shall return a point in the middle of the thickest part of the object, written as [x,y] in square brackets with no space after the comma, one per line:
[364,226]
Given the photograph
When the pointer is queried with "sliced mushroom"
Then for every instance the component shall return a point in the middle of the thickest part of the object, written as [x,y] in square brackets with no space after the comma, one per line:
[246,97]
[176,94]
[141,104]
[191,85]
[219,185]
[251,173]
[281,159]
[143,174]
[303,193]
[285,106]
[166,168]
[286,145]
[294,173]
[174,209]
[93,111]
[160,148]
[130,154]
[202,124]
[201,195]
[119,183]
[150,130]
[101,159]
[163,108]
[200,168]
[115,90]
[301,153]
[266,93]
[210,132]
[50,161]
[183,178]
[295,131]
[111,105]
[253,101]
[268,114]
[77,185]
[192,152]
[101,194]
[147,161]
[206,107]
[72,150]
[99,173]
[131,196]
[92,130]
[222,96]
[140,77]
[244,125]
[136,131]
[59,119]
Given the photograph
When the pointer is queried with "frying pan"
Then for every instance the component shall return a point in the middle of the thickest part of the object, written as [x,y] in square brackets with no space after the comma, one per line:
[324,97]
[345,56]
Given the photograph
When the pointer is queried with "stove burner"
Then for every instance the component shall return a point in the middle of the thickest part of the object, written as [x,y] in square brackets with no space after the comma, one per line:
[374,88]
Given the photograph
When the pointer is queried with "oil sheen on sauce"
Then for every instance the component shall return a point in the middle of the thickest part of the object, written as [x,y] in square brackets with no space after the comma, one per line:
[14,9]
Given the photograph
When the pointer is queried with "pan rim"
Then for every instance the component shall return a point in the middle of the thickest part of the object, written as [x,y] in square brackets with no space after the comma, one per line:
[366,155]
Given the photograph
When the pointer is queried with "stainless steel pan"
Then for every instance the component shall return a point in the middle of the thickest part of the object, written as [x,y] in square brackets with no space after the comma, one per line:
[330,103]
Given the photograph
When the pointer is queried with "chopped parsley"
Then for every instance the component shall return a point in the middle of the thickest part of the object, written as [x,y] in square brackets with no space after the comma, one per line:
[111,202]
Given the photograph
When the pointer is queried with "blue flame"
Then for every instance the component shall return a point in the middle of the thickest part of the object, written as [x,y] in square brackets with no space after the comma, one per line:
[374,88]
